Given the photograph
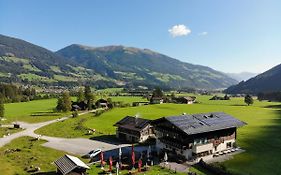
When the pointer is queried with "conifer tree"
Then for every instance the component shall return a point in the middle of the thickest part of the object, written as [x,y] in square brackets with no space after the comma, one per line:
[2,108]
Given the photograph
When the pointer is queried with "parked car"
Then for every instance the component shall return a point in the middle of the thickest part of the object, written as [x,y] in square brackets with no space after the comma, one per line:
[93,153]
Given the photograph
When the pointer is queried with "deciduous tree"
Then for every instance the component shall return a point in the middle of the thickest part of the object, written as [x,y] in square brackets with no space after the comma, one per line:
[249,100]
[64,102]
[80,95]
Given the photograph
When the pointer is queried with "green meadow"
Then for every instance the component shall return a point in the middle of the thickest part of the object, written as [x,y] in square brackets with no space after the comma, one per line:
[260,138]
[32,111]
[22,155]
[6,131]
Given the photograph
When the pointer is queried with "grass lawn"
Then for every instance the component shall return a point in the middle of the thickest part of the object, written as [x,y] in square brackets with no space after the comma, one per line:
[128,99]
[6,130]
[31,112]
[18,156]
[155,170]
[261,138]
[28,153]
[70,128]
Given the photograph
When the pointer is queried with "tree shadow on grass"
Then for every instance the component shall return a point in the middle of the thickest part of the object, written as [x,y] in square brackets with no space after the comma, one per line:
[111,139]
[45,173]
[239,105]
[48,113]
[263,151]
[273,106]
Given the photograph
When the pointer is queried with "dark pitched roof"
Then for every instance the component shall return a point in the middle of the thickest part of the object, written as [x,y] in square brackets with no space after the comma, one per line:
[68,163]
[133,123]
[206,122]
[189,98]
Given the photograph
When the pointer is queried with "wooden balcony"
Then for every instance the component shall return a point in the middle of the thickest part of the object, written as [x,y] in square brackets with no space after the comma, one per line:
[202,148]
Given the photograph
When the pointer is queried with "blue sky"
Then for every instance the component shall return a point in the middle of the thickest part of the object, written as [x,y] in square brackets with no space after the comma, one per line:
[230,36]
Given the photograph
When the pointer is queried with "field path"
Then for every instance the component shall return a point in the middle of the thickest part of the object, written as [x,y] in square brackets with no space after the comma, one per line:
[28,130]
[78,146]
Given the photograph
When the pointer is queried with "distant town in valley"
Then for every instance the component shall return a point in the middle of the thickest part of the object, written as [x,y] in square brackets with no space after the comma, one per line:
[140,88]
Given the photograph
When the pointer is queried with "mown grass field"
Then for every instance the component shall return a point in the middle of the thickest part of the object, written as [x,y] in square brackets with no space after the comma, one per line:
[31,112]
[261,138]
[22,155]
[6,131]
[29,153]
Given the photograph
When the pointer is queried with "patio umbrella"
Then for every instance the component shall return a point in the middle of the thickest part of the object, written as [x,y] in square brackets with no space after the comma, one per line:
[101,159]
[133,156]
[165,157]
[139,165]
[120,154]
[117,168]
[148,152]
[110,163]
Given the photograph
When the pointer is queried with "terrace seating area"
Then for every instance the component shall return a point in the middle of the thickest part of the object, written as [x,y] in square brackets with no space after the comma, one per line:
[231,150]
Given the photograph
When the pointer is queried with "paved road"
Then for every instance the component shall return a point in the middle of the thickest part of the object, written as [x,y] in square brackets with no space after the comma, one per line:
[78,146]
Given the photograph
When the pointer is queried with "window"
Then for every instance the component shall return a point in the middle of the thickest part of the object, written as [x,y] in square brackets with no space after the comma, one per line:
[228,145]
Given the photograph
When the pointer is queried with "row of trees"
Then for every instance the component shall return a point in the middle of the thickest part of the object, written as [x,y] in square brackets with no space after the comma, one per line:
[2,109]
[12,93]
[271,96]
[83,95]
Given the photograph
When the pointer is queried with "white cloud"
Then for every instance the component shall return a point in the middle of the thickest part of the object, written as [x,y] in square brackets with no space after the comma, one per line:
[179,30]
[203,33]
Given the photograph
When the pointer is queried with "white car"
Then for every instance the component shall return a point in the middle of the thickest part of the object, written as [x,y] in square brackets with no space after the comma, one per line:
[93,153]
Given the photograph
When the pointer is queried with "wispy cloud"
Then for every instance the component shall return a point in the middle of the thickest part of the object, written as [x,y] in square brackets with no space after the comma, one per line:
[203,33]
[179,30]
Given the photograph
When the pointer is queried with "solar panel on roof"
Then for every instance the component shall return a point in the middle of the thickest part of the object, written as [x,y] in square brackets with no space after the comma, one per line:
[204,122]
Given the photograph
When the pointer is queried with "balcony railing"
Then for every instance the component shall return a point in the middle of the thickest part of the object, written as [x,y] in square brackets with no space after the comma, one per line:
[202,148]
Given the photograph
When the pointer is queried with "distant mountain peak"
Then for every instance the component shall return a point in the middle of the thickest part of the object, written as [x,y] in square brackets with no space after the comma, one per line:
[106,66]
[242,76]
[144,66]
[269,81]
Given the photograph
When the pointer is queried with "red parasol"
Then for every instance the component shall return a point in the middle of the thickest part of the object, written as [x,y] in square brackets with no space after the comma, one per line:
[133,156]
[110,163]
[101,158]
[139,165]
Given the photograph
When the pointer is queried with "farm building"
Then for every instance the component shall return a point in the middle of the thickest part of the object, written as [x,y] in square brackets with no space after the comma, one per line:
[196,136]
[156,100]
[70,165]
[102,103]
[185,100]
[139,103]
[134,129]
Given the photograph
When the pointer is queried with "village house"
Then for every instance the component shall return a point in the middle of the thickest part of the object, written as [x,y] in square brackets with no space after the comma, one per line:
[197,136]
[156,100]
[139,103]
[134,129]
[185,100]
[102,103]
[70,165]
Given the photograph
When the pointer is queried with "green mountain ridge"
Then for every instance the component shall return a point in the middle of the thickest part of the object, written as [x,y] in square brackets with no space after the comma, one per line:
[109,66]
[269,81]
[136,66]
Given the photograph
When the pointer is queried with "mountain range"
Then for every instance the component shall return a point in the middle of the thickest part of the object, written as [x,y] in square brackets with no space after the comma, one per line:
[109,66]
[242,76]
[269,81]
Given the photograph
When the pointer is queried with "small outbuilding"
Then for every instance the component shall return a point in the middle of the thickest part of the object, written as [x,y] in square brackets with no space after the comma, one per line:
[156,100]
[102,103]
[70,165]
[185,100]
